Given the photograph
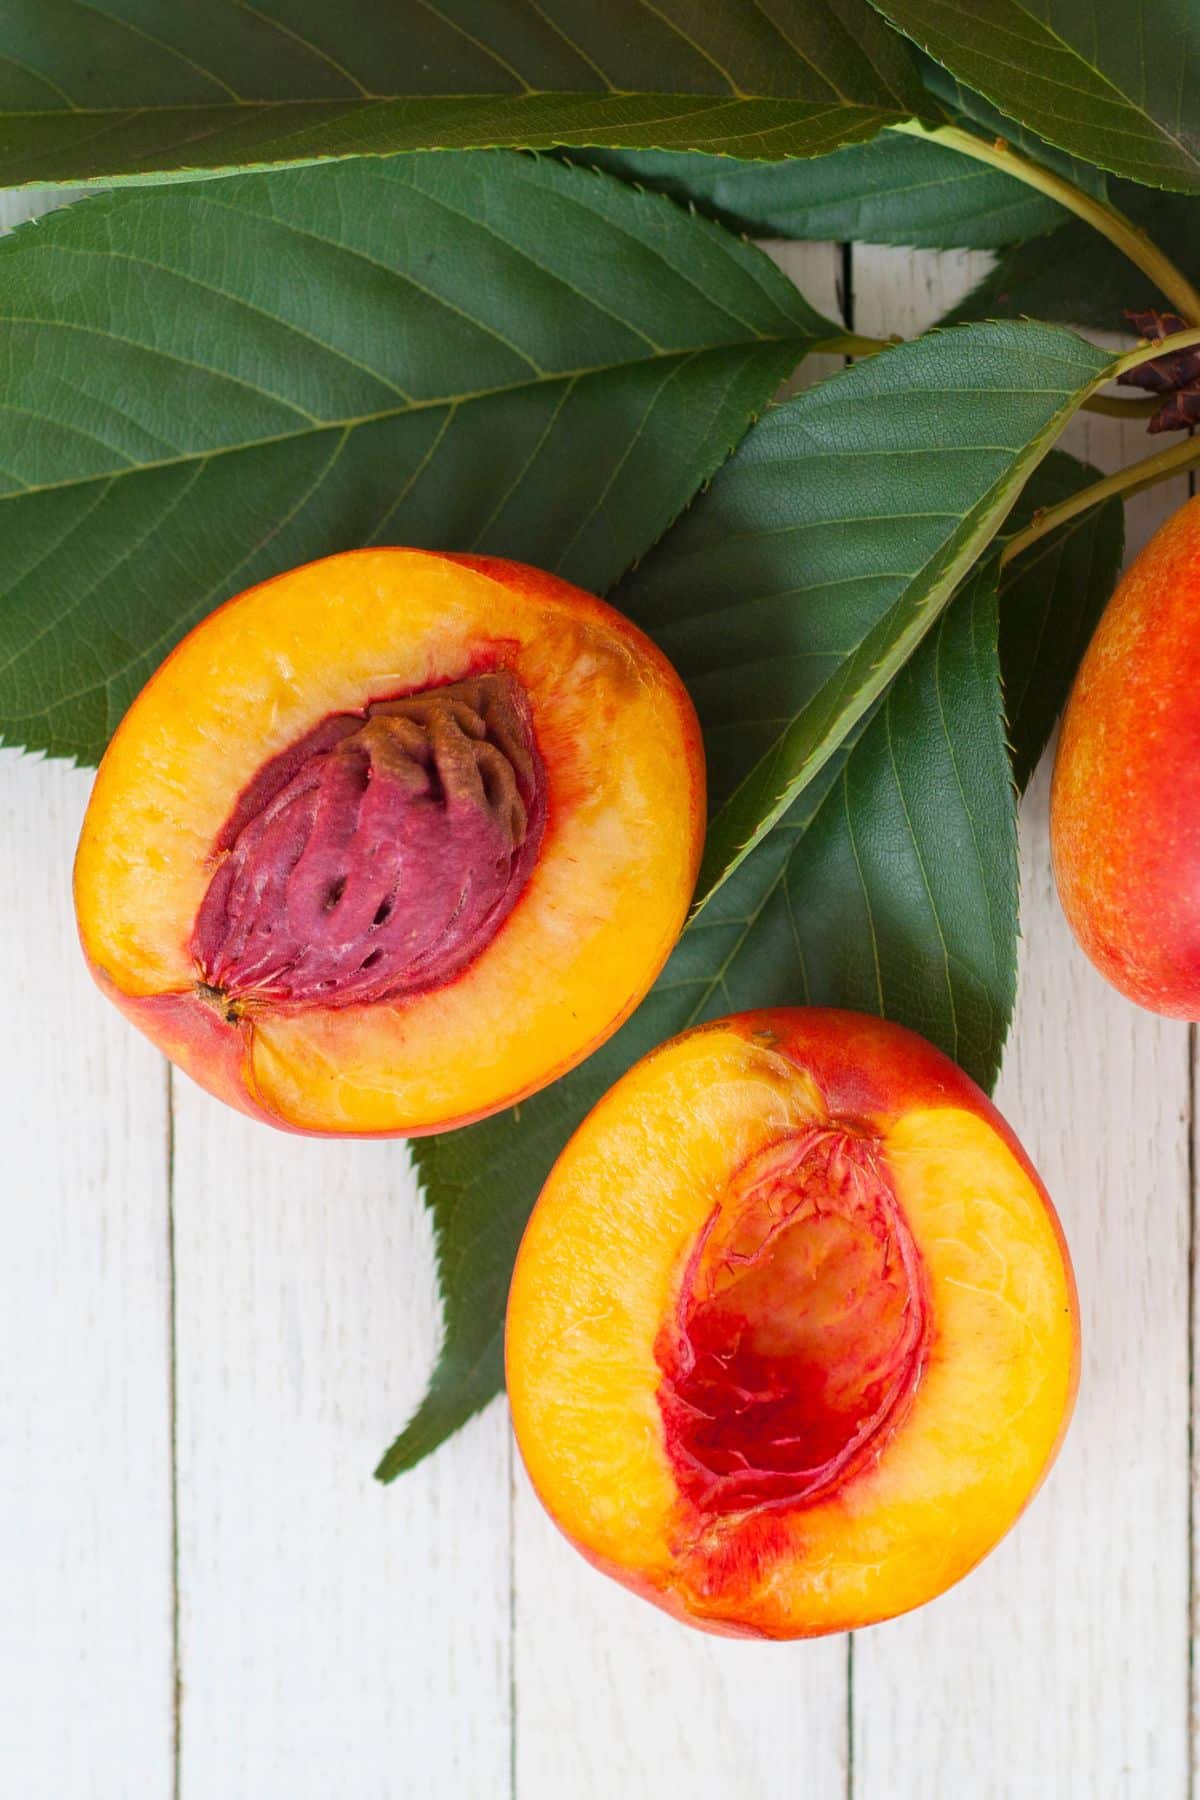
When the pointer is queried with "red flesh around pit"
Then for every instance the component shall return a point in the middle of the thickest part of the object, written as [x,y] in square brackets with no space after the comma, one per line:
[800,1331]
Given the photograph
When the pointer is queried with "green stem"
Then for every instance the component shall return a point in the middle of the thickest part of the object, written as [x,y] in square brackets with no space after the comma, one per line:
[849,343]
[1112,224]
[1125,482]
[1146,350]
[1112,408]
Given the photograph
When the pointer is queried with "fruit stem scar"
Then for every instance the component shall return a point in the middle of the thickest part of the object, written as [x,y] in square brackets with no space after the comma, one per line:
[220,1002]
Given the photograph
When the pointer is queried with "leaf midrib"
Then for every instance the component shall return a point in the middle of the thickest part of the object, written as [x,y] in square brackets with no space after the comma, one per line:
[356,102]
[390,412]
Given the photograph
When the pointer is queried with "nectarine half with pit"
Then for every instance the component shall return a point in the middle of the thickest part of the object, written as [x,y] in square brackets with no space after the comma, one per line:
[392,840]
[792,1336]
[1125,804]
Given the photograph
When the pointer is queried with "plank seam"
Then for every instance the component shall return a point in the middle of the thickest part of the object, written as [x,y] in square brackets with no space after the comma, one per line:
[1191,1421]
[512,1618]
[1190,1714]
[173,1435]
[846,297]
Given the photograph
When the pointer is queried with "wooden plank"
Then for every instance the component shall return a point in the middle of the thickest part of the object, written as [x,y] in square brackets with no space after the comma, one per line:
[86,1664]
[614,1698]
[87,1695]
[1061,1666]
[818,271]
[337,1637]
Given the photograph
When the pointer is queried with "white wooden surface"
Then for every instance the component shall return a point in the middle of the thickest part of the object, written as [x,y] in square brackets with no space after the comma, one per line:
[209,1333]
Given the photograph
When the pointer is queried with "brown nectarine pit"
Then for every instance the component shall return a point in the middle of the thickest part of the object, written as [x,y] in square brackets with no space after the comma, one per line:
[378,855]
[800,1331]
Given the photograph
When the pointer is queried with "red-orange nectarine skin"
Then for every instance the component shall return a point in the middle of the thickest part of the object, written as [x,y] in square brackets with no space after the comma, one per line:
[608,793]
[1125,804]
[587,1357]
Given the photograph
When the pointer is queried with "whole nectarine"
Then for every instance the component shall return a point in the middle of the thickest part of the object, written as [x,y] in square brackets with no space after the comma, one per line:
[1125,804]
[792,1336]
[392,840]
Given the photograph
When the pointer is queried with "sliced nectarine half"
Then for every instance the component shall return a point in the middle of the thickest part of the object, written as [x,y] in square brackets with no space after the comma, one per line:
[792,1336]
[392,840]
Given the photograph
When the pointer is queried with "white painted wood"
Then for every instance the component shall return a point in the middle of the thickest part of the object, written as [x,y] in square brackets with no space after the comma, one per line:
[86,1600]
[1060,1668]
[816,270]
[612,1697]
[906,291]
[86,1671]
[617,1700]
[336,1637]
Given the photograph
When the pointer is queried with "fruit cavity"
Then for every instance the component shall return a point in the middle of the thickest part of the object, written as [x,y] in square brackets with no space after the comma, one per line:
[800,1330]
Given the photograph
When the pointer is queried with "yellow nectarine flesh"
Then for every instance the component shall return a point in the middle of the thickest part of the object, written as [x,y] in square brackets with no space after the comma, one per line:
[792,1336]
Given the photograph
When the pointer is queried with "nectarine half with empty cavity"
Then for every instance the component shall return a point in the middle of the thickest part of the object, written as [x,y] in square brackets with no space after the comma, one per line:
[392,840]
[792,1336]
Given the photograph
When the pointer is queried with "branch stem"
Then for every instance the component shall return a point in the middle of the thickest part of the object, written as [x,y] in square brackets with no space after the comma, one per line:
[849,343]
[1111,223]
[1124,483]
[1113,408]
[1146,350]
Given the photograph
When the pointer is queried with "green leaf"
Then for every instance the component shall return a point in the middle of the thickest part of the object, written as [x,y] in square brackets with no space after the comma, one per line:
[1051,599]
[801,580]
[901,895]
[141,88]
[961,105]
[891,886]
[895,190]
[1078,277]
[1073,276]
[203,386]
[1110,85]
